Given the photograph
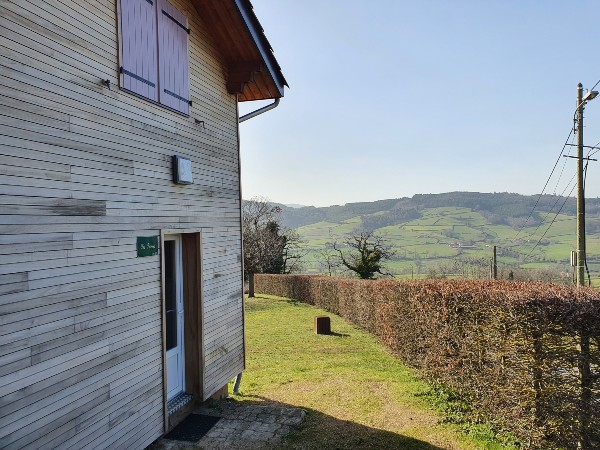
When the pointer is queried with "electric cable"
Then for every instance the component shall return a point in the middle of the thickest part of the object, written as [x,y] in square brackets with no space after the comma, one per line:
[564,165]
[552,208]
[587,161]
[547,181]
[564,203]
[588,271]
[595,150]
[590,153]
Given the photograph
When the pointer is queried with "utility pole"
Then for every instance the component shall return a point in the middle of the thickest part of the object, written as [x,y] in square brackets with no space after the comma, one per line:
[580,269]
[582,100]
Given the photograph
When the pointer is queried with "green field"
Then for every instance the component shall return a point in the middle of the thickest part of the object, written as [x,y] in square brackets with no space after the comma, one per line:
[443,237]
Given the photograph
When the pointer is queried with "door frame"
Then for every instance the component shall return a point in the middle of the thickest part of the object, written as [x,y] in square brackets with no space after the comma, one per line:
[193,307]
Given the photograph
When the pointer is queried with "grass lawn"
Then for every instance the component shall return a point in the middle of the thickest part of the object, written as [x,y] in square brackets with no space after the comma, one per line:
[356,394]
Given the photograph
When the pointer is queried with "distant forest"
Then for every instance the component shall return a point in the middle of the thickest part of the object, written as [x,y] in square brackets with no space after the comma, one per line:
[498,208]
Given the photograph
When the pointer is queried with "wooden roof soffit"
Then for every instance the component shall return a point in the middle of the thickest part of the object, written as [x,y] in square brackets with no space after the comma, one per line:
[241,74]
[252,70]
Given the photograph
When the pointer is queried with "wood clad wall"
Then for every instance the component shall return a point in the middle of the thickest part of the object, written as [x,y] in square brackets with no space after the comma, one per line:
[84,170]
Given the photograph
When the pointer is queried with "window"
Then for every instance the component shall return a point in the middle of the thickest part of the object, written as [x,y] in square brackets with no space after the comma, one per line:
[154,52]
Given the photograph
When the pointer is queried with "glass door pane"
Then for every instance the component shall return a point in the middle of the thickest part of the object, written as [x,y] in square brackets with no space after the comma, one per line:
[171,293]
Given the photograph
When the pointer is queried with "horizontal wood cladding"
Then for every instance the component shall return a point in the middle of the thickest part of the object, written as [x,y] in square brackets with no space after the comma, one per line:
[85,169]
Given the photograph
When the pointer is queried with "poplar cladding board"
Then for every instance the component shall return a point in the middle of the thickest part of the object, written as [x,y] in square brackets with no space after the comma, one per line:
[86,187]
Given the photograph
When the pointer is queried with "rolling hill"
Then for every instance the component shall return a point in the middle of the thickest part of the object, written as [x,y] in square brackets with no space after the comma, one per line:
[453,234]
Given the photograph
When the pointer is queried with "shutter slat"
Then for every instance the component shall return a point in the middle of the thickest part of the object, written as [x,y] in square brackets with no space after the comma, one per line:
[139,69]
[173,57]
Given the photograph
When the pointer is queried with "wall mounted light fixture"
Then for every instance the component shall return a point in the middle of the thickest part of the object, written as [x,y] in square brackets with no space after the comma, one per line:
[182,170]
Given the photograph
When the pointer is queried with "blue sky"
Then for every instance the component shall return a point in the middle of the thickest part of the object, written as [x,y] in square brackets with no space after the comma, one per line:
[394,98]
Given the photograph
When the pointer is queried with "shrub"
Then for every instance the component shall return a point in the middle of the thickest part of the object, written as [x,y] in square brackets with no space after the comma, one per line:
[527,355]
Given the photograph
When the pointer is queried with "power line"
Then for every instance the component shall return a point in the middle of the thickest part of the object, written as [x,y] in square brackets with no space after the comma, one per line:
[552,208]
[564,203]
[547,181]
[553,169]
[583,190]
[564,165]
[595,150]
[597,83]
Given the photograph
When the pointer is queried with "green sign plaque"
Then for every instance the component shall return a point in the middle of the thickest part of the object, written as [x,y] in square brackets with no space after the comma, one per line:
[147,246]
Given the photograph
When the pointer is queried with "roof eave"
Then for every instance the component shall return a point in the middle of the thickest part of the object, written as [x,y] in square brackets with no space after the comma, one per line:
[252,72]
[262,45]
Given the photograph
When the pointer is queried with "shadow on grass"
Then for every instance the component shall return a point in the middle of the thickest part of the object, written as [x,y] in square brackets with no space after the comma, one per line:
[321,431]
[333,333]
[258,297]
[291,301]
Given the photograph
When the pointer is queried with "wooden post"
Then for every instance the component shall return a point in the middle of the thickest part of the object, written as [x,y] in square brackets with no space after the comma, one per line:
[251,285]
[322,325]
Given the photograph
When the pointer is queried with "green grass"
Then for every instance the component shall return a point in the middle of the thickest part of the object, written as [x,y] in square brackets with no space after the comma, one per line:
[356,394]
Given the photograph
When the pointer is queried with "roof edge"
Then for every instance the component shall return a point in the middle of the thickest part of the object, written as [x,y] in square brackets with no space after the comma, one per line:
[263,46]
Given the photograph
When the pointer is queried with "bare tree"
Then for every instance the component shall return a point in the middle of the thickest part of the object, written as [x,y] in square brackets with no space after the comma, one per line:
[267,247]
[292,253]
[365,254]
[330,260]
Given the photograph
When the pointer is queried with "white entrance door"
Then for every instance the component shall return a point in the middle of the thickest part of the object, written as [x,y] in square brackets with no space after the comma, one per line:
[174,315]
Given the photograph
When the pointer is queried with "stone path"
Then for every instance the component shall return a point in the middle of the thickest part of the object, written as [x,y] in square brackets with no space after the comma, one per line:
[242,427]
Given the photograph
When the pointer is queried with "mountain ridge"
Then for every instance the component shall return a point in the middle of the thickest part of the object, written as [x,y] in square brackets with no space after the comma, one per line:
[502,207]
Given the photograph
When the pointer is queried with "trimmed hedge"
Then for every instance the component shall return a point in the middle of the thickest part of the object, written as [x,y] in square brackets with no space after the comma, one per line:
[526,354]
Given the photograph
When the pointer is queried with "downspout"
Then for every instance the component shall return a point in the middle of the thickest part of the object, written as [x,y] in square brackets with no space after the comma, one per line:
[259,111]
[264,109]
[239,376]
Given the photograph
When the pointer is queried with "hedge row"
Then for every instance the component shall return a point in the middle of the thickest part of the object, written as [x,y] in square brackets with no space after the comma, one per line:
[526,354]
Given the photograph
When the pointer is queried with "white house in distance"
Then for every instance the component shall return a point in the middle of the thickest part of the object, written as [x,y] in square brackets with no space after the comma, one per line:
[120,241]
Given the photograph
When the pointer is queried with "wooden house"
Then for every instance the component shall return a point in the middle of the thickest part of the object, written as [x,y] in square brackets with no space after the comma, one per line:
[120,241]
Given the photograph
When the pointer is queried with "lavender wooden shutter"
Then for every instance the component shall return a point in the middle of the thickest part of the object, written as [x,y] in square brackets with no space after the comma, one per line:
[173,57]
[139,70]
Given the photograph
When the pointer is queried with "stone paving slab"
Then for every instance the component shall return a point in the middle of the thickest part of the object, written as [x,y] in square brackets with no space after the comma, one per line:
[242,427]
